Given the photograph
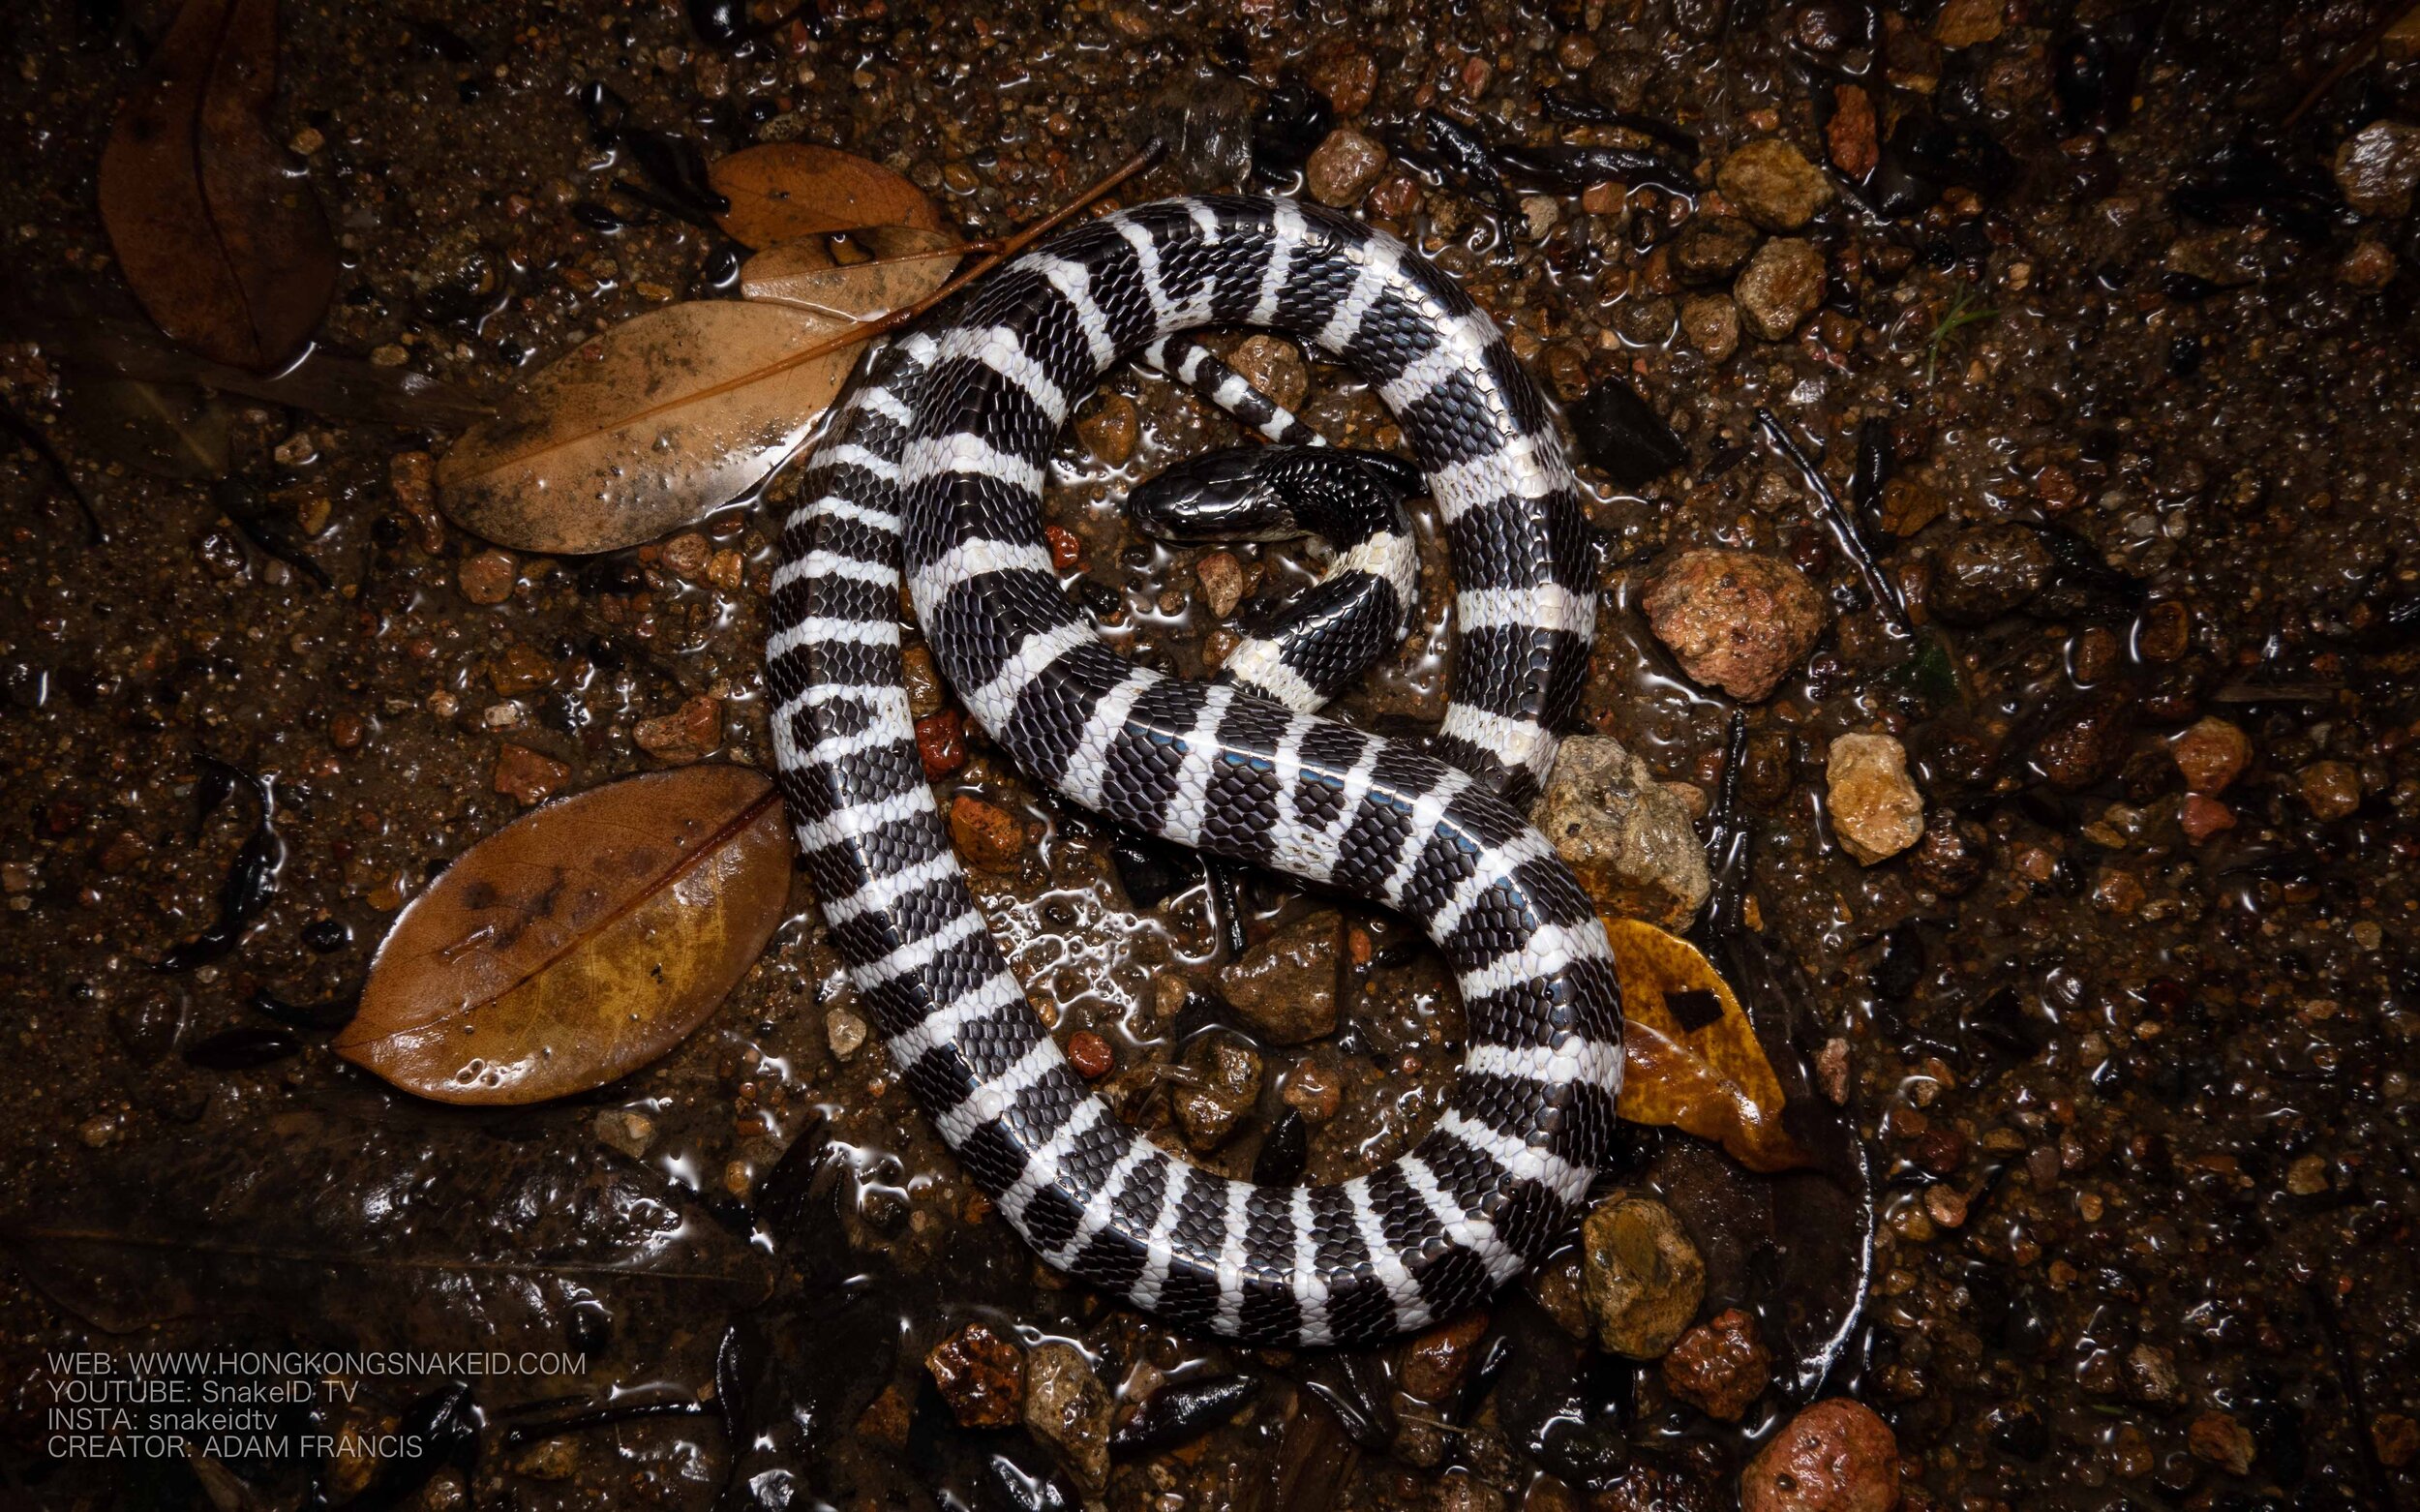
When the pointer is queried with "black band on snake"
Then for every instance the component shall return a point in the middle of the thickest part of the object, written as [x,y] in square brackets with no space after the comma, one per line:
[935,463]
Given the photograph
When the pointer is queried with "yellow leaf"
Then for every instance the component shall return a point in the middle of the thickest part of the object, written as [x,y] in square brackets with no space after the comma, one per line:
[1690,1057]
[578,942]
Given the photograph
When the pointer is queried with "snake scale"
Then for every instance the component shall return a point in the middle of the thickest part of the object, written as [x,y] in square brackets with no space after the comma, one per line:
[933,466]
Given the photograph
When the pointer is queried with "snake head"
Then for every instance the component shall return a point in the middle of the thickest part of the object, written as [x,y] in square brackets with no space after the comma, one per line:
[1276,493]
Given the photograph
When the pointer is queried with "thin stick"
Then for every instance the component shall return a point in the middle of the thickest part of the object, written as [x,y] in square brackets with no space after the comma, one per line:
[1005,250]
[868,330]
[25,431]
[1844,526]
[2351,60]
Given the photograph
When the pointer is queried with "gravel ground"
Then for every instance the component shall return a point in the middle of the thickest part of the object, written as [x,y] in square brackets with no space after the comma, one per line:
[2102,336]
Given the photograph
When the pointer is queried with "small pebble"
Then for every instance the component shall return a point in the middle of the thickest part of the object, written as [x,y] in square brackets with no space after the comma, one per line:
[1781,287]
[1436,1363]
[627,1129]
[488,578]
[2085,740]
[1875,808]
[1987,571]
[1110,430]
[1226,1085]
[1835,1456]
[689,733]
[941,743]
[2221,1440]
[1069,1410]
[2203,818]
[1222,579]
[1314,1091]
[1067,548]
[845,1032]
[1625,834]
[2210,755]
[1272,365]
[1347,73]
[2329,789]
[1737,621]
[2379,167]
[1721,1366]
[986,834]
[1344,167]
[1091,1055]
[924,691]
[1851,135]
[1967,23]
[1286,986]
[528,776]
[1712,325]
[1712,248]
[1946,1205]
[686,555]
[2396,1438]
[981,1376]
[1773,185]
[1644,1279]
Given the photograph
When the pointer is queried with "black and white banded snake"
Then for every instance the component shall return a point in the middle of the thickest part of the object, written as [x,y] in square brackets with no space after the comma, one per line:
[934,463]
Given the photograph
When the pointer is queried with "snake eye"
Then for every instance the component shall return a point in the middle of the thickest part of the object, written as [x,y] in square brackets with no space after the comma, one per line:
[1403,476]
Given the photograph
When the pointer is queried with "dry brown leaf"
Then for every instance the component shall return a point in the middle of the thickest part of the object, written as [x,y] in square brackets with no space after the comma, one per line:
[649,426]
[783,191]
[908,264]
[578,942]
[1690,1056]
[216,231]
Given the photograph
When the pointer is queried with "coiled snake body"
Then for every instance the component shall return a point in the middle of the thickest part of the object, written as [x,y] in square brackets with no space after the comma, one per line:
[935,463]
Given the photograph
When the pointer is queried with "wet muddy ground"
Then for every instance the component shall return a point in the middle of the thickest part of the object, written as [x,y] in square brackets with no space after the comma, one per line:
[2103,332]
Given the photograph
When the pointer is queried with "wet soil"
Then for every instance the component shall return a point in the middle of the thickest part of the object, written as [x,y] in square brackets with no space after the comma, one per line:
[2131,1068]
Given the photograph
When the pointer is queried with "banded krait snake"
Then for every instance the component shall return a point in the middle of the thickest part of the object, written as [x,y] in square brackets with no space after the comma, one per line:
[938,456]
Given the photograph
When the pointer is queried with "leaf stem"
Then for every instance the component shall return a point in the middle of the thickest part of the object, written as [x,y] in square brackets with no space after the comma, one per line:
[1002,252]
[868,330]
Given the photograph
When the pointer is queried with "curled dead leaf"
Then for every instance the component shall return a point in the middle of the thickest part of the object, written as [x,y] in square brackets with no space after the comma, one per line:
[649,426]
[1690,1059]
[783,191]
[578,942]
[213,224]
[810,273]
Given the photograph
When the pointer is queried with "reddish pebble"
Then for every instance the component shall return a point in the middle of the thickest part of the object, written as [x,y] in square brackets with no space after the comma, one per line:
[1834,1456]
[1395,197]
[1314,1091]
[2221,1440]
[527,776]
[986,834]
[981,1375]
[488,578]
[941,741]
[689,733]
[1720,1365]
[1091,1054]
[2211,755]
[2203,817]
[2331,788]
[687,555]
[1067,548]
